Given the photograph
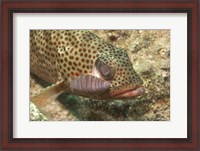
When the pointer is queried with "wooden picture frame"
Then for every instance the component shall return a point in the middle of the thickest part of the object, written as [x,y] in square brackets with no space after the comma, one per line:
[191,7]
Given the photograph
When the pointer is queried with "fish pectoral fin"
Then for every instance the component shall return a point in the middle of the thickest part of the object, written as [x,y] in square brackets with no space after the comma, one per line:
[89,85]
[45,96]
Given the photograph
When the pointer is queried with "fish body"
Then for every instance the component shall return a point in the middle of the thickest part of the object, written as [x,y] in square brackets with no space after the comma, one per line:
[87,65]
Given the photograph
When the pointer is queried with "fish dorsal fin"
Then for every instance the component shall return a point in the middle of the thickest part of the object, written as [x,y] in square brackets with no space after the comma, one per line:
[45,96]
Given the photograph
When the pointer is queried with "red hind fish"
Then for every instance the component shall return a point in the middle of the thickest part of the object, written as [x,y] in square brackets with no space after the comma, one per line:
[79,62]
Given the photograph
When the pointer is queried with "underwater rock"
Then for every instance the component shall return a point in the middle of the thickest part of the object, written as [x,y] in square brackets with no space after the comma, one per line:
[35,114]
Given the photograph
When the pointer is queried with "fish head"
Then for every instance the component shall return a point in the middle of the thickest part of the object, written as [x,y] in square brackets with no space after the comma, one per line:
[102,71]
[116,68]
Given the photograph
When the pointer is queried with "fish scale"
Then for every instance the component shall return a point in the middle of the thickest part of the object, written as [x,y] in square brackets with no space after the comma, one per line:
[84,63]
[58,54]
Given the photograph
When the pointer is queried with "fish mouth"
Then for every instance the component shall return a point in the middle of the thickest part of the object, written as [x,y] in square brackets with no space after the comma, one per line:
[127,93]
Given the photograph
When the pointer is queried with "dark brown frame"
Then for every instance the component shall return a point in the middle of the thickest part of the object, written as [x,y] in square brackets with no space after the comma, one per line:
[191,7]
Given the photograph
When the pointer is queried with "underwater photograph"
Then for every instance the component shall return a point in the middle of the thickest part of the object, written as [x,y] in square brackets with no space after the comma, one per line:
[100,75]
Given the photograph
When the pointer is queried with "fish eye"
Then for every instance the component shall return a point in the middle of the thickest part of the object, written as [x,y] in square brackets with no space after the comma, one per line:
[106,71]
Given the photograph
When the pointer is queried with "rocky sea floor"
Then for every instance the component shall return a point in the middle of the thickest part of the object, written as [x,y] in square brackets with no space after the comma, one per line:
[149,51]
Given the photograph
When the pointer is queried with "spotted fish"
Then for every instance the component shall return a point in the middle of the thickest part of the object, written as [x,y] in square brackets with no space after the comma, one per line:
[79,62]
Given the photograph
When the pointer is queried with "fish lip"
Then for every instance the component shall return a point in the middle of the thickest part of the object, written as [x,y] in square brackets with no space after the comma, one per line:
[129,93]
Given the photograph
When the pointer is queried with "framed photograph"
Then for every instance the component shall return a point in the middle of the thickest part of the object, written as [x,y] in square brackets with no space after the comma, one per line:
[100,75]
